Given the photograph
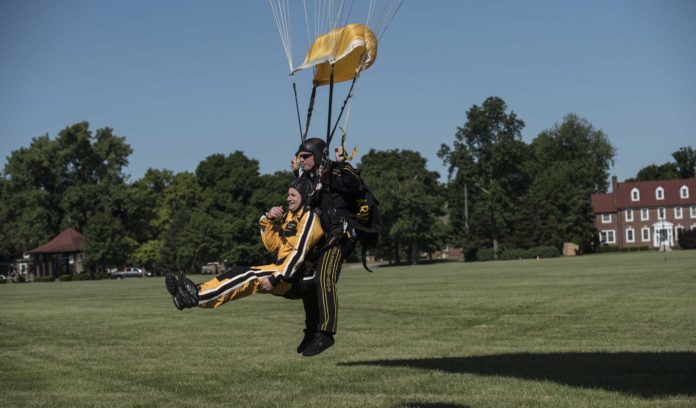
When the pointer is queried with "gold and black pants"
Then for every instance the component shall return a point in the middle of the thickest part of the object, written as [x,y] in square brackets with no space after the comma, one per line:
[319,295]
[234,284]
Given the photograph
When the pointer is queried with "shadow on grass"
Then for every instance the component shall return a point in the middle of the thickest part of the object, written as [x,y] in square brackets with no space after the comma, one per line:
[646,374]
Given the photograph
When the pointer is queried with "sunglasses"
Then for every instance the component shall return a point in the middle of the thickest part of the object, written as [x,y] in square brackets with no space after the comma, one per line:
[305,155]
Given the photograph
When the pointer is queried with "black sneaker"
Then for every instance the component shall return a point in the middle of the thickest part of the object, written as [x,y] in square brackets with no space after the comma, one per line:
[171,283]
[320,342]
[184,292]
[308,337]
[187,286]
[181,301]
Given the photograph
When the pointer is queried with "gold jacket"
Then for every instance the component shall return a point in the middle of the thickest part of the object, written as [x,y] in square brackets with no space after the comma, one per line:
[290,240]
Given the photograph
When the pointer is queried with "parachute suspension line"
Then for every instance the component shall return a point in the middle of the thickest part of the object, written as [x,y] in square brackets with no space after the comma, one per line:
[322,19]
[337,23]
[333,23]
[344,129]
[337,20]
[389,19]
[350,11]
[328,122]
[369,14]
[345,102]
[309,39]
[309,112]
[379,23]
[297,108]
[344,132]
[328,17]
[281,14]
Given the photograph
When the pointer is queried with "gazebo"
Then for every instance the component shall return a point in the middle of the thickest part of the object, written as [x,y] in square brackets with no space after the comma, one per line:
[61,255]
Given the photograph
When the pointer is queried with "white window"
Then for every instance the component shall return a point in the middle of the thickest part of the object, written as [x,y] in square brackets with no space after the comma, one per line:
[635,194]
[693,227]
[684,192]
[660,193]
[644,214]
[630,235]
[607,237]
[678,229]
[606,218]
[693,211]
[678,212]
[629,215]
[645,234]
[660,213]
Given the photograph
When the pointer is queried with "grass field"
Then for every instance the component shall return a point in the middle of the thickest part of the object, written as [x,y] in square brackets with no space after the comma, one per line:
[614,330]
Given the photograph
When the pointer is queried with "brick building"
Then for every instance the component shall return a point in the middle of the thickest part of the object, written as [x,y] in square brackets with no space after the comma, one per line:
[645,213]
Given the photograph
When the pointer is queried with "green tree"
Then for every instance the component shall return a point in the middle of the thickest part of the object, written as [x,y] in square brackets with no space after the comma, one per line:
[272,190]
[684,166]
[569,162]
[229,184]
[31,187]
[486,174]
[54,184]
[173,256]
[685,160]
[148,255]
[411,202]
[150,222]
[179,198]
[666,171]
[108,245]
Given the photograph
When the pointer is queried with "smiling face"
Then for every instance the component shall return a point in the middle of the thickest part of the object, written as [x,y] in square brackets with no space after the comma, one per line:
[307,161]
[294,200]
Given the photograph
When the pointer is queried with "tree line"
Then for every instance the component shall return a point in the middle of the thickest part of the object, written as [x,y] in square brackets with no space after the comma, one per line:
[501,194]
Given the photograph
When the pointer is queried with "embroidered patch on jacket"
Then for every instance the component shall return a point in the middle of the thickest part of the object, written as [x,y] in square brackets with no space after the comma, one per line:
[290,230]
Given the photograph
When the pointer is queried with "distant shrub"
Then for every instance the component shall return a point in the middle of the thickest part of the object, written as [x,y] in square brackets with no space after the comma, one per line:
[606,248]
[544,252]
[44,278]
[470,255]
[687,239]
[514,253]
[82,277]
[636,249]
[98,275]
[65,278]
[485,254]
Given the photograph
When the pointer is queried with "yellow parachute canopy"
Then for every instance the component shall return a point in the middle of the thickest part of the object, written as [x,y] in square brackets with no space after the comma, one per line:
[351,49]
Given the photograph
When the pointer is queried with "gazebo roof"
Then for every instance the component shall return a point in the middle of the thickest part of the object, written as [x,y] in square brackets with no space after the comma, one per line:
[67,241]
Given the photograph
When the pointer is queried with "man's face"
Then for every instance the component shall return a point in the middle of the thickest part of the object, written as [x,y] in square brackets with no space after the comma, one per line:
[294,200]
[307,161]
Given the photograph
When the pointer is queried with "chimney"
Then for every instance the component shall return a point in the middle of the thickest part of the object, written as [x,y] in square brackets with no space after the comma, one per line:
[614,184]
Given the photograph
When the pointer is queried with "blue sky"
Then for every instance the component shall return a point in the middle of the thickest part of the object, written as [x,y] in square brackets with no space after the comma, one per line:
[182,80]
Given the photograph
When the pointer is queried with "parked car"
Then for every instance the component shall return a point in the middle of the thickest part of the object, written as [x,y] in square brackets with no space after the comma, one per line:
[130,272]
[212,268]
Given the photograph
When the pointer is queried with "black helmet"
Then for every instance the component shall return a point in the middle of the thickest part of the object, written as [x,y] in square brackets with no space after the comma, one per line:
[315,146]
[304,186]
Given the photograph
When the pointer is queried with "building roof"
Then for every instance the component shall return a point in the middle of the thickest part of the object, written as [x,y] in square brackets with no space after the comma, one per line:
[66,242]
[603,203]
[620,197]
[647,193]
